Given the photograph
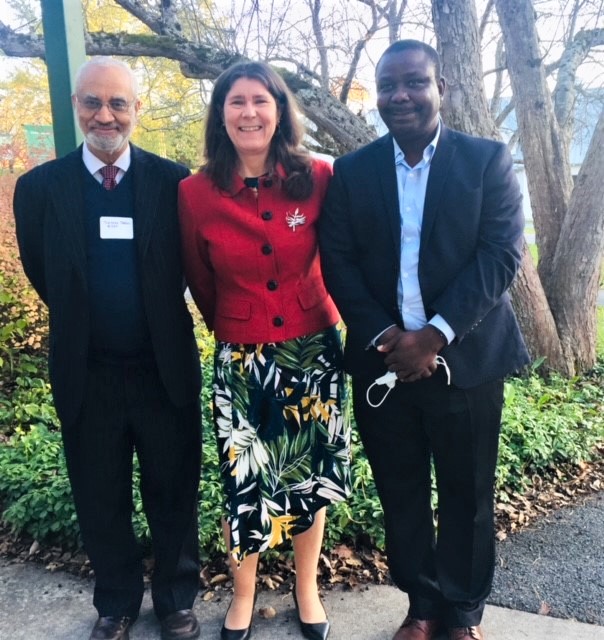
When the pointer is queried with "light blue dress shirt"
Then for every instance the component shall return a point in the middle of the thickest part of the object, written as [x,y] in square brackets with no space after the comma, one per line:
[411,185]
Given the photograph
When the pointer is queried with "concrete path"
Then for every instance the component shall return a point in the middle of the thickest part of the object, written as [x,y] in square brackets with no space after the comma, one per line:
[36,604]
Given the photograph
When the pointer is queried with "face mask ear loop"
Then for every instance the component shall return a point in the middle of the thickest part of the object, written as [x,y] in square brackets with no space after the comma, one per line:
[389,379]
[381,402]
[440,360]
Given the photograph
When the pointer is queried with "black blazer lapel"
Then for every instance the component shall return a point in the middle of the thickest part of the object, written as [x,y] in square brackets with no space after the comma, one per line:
[439,169]
[147,186]
[386,170]
[65,191]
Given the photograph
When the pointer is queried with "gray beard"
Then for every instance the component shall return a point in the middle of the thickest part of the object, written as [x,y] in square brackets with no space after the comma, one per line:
[104,144]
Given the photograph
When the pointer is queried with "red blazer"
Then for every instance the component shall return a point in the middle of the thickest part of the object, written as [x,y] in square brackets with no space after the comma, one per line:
[251,261]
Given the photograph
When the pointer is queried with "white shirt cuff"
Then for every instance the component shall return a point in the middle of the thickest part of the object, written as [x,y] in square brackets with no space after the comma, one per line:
[442,325]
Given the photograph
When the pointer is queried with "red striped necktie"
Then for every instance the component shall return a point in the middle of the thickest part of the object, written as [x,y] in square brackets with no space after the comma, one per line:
[109,172]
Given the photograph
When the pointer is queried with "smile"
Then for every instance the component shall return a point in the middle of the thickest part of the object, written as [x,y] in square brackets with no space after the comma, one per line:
[246,129]
[402,113]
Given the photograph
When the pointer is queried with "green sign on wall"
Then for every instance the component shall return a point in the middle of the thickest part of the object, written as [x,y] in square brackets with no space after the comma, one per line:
[40,143]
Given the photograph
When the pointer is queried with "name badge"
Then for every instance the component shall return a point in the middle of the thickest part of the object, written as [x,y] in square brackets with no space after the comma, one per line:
[114,228]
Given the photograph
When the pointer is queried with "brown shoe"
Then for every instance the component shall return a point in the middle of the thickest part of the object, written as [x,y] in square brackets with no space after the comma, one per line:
[180,625]
[111,628]
[466,633]
[414,629]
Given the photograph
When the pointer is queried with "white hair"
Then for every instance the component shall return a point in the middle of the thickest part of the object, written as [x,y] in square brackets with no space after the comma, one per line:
[106,61]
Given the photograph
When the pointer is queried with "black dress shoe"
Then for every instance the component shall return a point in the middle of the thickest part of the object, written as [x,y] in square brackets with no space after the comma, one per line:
[237,634]
[180,625]
[311,630]
[111,628]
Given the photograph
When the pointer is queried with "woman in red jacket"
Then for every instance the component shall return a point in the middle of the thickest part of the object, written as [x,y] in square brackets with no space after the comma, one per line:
[249,237]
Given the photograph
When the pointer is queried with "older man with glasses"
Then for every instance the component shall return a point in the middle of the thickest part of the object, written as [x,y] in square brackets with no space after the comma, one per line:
[99,241]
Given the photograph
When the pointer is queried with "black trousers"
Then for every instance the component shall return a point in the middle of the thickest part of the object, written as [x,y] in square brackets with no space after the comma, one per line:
[126,409]
[446,573]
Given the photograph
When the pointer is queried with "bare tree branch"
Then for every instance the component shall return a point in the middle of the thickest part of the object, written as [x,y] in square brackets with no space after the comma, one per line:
[315,12]
[358,50]
[340,130]
[504,113]
[565,91]
[144,14]
[484,21]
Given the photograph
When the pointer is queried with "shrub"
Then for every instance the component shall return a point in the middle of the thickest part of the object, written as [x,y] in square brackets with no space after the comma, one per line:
[360,518]
[546,423]
[34,486]
[24,390]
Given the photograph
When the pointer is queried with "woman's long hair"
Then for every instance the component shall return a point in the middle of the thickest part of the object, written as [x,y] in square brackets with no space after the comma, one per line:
[285,149]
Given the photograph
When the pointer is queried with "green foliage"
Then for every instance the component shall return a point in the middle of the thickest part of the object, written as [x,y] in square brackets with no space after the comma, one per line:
[34,486]
[28,400]
[12,326]
[600,338]
[546,424]
[25,396]
[360,517]
[211,496]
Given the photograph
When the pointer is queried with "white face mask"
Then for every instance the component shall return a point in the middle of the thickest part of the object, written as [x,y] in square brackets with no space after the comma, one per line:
[389,379]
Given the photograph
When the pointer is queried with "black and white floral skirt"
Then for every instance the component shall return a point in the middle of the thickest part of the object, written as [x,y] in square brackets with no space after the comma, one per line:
[283,436]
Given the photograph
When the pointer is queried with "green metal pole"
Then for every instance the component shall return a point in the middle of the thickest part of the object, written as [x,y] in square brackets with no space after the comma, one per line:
[65,52]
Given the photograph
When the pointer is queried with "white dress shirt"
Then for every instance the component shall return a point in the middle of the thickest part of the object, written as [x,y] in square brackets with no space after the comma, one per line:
[94,164]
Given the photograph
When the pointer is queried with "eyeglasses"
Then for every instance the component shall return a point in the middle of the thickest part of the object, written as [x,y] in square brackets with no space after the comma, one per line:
[115,105]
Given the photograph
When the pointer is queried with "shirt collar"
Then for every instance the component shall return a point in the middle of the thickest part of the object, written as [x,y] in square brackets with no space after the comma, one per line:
[94,164]
[399,156]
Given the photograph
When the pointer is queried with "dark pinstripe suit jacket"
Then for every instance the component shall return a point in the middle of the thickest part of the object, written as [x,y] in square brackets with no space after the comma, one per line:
[49,213]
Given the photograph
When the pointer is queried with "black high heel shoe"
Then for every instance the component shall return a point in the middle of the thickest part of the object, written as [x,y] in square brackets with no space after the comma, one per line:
[311,630]
[237,634]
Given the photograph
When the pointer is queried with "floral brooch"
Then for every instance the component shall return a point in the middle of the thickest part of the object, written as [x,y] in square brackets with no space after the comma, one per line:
[295,219]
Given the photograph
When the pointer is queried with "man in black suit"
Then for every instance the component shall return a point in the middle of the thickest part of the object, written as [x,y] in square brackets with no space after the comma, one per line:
[99,241]
[421,236]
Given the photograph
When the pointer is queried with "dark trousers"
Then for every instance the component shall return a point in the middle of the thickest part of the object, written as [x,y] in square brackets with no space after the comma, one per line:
[448,574]
[126,409]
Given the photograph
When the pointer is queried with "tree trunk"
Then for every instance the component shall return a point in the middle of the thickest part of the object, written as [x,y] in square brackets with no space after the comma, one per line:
[576,264]
[457,36]
[569,231]
[536,321]
[545,153]
[465,105]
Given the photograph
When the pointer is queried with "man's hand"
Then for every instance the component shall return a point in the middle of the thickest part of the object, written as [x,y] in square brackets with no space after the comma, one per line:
[411,354]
